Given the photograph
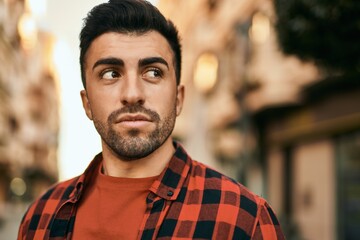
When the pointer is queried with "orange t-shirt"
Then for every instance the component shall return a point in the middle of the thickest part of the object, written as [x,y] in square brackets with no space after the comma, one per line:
[112,208]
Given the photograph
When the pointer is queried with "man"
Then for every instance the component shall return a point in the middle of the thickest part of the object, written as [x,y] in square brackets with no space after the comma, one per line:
[143,185]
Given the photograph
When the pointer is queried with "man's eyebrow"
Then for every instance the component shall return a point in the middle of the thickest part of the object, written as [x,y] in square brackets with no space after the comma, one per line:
[151,60]
[109,61]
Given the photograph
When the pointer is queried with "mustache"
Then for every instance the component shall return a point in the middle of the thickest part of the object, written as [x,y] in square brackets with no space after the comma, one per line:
[134,108]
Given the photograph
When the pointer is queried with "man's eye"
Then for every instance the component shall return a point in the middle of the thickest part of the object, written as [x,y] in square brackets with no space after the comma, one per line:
[153,73]
[110,74]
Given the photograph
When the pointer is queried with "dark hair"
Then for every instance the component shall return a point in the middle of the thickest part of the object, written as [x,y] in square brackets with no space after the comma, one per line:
[128,16]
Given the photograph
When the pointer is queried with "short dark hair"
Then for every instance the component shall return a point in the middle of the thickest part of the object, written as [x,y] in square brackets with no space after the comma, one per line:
[128,16]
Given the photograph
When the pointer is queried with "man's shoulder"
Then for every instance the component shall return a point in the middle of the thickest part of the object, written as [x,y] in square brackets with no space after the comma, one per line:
[43,208]
[208,173]
[215,181]
[223,199]
[60,190]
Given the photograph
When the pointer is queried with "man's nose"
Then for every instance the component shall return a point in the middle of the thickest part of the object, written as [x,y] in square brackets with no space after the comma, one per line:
[132,91]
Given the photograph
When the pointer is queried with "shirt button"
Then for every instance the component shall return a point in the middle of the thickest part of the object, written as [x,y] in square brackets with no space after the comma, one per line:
[170,193]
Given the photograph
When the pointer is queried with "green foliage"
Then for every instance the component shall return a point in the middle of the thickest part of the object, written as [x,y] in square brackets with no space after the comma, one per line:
[324,31]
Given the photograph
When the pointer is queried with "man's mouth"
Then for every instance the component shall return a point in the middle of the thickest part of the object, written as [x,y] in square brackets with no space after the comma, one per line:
[133,120]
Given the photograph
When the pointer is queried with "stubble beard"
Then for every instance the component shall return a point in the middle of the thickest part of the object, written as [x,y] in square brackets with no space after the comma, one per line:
[134,144]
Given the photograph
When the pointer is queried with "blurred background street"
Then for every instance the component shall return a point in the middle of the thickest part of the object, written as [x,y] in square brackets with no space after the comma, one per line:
[272,100]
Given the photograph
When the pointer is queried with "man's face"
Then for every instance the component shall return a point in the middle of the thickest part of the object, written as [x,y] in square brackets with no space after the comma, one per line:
[131,92]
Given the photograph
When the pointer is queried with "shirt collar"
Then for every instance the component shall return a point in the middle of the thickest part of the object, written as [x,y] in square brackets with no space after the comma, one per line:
[170,181]
[85,178]
[167,186]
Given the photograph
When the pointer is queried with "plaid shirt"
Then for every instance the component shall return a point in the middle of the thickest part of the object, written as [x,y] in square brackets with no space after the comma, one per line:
[187,201]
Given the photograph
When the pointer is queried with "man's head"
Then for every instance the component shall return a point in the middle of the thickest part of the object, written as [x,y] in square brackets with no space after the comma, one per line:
[130,58]
[130,17]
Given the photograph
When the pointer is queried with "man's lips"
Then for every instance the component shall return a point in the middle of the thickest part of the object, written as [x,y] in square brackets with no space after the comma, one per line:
[133,113]
[133,118]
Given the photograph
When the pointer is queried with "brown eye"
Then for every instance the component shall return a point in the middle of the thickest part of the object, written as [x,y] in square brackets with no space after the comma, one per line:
[153,73]
[110,74]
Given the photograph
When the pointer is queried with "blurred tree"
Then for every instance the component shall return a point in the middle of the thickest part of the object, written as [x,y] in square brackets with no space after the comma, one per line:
[324,31]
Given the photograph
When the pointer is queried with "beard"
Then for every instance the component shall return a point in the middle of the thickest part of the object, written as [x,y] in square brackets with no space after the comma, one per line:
[131,145]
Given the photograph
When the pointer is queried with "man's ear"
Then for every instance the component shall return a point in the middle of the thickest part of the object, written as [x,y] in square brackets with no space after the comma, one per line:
[180,99]
[86,104]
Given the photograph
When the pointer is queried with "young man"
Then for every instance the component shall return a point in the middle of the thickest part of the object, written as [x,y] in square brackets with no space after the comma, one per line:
[143,185]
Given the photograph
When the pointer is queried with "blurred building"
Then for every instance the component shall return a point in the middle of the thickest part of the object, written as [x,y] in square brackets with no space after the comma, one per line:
[286,129]
[29,112]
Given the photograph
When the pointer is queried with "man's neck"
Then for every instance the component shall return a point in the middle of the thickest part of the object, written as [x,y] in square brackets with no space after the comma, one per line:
[151,165]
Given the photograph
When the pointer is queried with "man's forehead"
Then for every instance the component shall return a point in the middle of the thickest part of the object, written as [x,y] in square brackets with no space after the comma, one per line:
[131,44]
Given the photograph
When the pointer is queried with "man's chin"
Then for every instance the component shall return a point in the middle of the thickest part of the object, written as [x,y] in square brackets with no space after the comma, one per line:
[141,132]
[134,149]
[134,132]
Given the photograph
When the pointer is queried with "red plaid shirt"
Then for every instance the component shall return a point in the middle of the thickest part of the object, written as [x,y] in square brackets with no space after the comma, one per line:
[187,201]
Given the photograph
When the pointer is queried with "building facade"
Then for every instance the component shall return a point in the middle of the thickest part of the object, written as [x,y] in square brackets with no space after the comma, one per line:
[29,113]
